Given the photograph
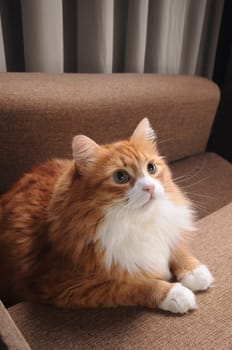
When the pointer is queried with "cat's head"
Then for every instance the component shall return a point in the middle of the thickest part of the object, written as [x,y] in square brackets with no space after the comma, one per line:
[128,173]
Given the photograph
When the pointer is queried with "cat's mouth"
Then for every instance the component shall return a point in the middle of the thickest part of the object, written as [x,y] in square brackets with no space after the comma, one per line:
[149,202]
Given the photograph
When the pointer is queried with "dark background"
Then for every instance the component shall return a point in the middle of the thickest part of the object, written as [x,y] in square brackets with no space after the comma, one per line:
[221,136]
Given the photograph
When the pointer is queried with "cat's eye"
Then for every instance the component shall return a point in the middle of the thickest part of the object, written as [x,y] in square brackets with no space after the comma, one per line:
[151,168]
[121,177]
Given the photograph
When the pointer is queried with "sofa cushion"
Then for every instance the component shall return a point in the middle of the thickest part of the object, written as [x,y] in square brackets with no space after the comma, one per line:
[40,113]
[210,327]
[10,336]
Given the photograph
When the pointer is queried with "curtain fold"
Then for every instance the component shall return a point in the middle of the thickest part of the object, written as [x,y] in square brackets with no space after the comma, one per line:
[42,23]
[2,53]
[106,36]
[95,36]
[165,35]
[136,36]
[194,22]
[209,38]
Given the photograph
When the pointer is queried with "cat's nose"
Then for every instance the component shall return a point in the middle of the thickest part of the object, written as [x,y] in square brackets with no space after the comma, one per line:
[149,188]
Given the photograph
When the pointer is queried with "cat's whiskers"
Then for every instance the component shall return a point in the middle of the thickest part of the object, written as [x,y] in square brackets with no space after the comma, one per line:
[195,183]
[198,203]
[191,174]
[207,196]
[188,176]
[198,206]
[163,141]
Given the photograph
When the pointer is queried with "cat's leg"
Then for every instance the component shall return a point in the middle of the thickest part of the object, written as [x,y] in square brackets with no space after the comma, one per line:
[153,294]
[189,270]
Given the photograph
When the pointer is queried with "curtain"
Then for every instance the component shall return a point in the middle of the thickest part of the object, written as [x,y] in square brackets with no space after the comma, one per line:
[110,36]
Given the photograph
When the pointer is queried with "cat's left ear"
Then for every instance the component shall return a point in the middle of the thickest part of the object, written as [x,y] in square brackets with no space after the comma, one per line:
[85,151]
[143,132]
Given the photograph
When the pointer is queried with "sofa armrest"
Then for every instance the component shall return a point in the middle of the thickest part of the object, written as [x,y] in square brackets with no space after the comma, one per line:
[10,336]
[40,113]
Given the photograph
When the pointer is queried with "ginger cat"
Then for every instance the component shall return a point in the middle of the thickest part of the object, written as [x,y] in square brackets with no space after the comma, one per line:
[105,229]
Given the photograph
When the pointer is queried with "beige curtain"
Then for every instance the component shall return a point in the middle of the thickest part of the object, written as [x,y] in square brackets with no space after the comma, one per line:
[164,36]
[42,35]
[2,53]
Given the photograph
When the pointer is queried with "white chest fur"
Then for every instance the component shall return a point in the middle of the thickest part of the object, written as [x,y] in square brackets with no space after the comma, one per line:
[143,239]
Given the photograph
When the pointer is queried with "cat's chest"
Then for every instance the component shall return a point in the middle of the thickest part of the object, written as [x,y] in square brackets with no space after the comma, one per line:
[145,242]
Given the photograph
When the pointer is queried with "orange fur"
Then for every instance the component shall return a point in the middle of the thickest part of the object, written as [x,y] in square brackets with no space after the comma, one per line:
[49,221]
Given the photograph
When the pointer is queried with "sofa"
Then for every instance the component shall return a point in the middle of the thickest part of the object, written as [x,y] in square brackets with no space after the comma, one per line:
[39,115]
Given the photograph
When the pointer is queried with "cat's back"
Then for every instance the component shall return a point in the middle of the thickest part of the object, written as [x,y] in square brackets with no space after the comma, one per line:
[34,189]
[23,211]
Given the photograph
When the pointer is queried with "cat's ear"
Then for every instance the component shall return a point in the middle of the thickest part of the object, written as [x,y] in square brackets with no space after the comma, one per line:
[143,132]
[85,151]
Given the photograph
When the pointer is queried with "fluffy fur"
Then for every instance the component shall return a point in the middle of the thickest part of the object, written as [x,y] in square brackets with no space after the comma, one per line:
[127,235]
[73,235]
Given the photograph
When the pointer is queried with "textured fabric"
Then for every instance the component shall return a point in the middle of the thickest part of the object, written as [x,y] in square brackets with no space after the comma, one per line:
[171,36]
[9,333]
[40,113]
[210,327]
[207,181]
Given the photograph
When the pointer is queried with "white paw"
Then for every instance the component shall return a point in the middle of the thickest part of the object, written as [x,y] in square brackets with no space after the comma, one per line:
[198,279]
[179,300]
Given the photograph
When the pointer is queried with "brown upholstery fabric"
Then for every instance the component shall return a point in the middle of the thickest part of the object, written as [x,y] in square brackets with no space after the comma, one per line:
[207,181]
[210,327]
[40,113]
[9,332]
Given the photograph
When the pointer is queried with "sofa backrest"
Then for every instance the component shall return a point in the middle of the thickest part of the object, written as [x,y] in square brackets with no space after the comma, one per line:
[40,113]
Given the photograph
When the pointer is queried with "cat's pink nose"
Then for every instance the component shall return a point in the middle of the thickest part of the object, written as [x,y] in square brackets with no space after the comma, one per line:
[149,188]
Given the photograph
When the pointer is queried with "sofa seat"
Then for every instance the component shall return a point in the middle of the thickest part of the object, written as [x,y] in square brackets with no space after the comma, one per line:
[209,327]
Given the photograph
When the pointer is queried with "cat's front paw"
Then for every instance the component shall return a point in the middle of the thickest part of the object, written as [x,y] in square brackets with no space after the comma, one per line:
[179,300]
[198,279]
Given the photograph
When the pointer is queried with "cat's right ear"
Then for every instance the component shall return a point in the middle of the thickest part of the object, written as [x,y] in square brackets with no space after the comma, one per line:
[85,151]
[143,132]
